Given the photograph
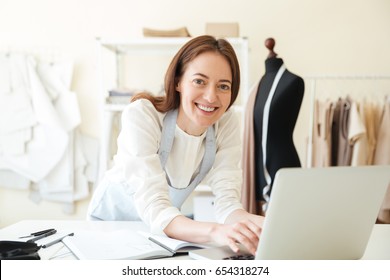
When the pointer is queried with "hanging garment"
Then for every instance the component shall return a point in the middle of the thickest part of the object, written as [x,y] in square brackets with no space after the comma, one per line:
[17,117]
[357,137]
[49,139]
[248,191]
[322,129]
[368,113]
[382,153]
[42,151]
[335,132]
[60,185]
[341,149]
[55,77]
[69,180]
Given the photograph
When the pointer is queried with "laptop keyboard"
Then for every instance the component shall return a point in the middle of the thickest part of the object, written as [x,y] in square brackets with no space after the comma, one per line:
[241,257]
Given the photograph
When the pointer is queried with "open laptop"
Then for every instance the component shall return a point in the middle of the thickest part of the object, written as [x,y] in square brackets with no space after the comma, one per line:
[318,213]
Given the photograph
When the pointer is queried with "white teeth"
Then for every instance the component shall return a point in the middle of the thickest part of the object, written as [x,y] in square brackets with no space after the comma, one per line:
[207,109]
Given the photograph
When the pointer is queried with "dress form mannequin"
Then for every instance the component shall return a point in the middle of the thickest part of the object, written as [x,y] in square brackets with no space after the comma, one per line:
[274,123]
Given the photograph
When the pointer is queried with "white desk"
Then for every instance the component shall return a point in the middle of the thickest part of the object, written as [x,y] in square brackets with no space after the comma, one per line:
[378,247]
[59,250]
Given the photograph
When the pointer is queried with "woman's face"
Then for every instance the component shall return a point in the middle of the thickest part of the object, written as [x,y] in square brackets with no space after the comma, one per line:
[205,90]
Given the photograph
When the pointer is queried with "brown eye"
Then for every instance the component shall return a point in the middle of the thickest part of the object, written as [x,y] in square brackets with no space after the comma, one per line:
[224,87]
[198,82]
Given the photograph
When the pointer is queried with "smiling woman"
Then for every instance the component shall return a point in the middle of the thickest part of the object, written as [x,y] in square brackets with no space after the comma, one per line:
[205,92]
[169,144]
[180,61]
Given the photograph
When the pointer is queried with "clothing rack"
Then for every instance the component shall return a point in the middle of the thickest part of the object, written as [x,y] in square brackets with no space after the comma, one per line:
[313,92]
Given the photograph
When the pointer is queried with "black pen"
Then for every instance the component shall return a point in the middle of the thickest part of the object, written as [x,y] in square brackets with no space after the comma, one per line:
[32,240]
[38,233]
[56,241]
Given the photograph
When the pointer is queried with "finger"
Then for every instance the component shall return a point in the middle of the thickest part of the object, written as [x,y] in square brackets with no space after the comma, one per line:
[233,245]
[248,233]
[248,229]
[254,228]
[250,245]
[245,237]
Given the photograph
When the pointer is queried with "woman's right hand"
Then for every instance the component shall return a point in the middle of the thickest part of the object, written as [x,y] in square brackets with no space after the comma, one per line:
[244,232]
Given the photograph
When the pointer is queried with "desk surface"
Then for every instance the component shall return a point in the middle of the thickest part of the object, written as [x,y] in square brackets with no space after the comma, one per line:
[378,247]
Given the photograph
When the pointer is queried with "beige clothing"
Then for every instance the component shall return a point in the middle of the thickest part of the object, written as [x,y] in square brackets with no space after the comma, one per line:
[367,113]
[248,192]
[357,137]
[382,153]
[323,115]
[363,133]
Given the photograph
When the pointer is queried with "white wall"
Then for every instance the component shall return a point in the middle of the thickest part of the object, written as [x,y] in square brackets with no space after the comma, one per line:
[313,37]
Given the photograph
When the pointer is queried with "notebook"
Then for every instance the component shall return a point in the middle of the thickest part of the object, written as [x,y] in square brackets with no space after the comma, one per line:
[318,213]
[125,244]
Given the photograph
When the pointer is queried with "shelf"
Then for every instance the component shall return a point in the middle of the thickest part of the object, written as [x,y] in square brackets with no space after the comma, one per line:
[144,44]
[153,44]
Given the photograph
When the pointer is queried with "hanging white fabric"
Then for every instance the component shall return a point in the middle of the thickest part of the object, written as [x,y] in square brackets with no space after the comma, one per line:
[40,147]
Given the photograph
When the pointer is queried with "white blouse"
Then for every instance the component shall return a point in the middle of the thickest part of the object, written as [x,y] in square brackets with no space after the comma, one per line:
[137,164]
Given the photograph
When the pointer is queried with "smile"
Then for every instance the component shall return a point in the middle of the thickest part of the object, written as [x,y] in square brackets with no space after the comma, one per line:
[205,108]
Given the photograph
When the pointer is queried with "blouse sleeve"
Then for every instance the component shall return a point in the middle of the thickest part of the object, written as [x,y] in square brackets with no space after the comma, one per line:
[138,144]
[225,178]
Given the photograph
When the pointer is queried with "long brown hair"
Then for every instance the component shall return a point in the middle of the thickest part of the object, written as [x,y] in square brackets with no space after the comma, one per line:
[176,68]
